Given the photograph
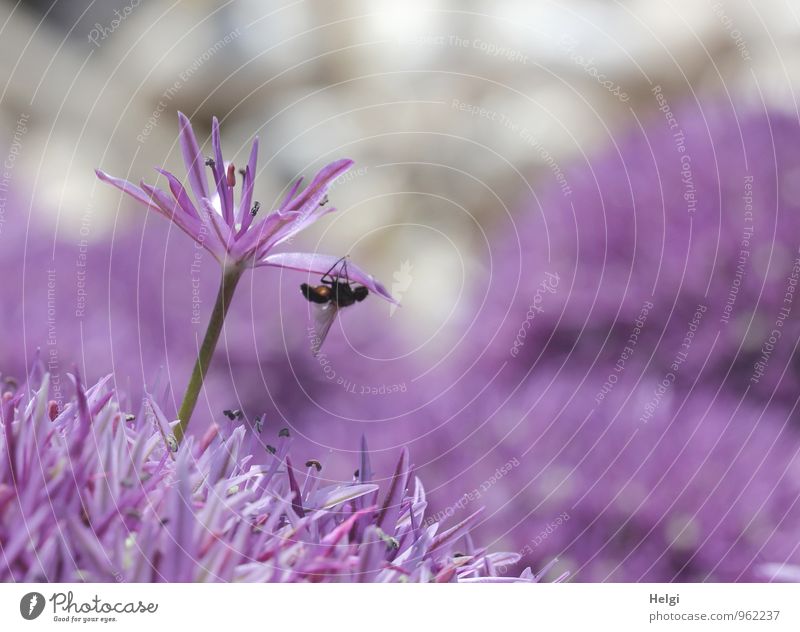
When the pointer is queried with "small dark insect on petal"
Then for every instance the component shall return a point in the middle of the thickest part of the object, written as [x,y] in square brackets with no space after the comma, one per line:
[391,542]
[130,417]
[271,449]
[130,512]
[315,464]
[284,432]
[255,209]
[210,162]
[233,415]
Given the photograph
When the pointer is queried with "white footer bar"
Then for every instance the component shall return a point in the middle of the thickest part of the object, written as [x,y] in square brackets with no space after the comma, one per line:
[332,607]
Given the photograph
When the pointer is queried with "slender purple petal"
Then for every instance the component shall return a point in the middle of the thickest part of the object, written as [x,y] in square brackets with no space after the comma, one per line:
[309,205]
[455,532]
[192,158]
[365,469]
[224,191]
[180,194]
[297,497]
[7,417]
[246,203]
[496,580]
[181,550]
[172,211]
[387,517]
[321,182]
[250,243]
[128,188]
[302,221]
[371,552]
[329,497]
[290,195]
[221,230]
[277,226]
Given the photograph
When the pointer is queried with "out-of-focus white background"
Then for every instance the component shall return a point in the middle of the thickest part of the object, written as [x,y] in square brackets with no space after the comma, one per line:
[456,112]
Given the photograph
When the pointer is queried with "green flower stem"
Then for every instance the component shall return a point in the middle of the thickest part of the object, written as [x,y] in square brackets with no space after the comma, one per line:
[230,278]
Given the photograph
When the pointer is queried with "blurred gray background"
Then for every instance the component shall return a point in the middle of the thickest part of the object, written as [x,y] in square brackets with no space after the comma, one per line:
[456,112]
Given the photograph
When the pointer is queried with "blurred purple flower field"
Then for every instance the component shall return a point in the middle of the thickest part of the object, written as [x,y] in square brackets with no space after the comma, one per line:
[615,402]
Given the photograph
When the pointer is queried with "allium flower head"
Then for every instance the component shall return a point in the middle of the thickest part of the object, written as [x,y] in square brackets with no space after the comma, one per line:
[89,493]
[241,235]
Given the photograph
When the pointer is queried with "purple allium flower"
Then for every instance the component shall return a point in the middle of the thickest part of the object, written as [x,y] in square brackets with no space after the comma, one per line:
[238,243]
[234,234]
[91,493]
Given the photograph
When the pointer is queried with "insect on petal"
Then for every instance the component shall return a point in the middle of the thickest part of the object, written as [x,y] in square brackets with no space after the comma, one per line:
[318,264]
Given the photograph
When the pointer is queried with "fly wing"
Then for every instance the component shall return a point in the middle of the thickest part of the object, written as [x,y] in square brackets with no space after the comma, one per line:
[324,315]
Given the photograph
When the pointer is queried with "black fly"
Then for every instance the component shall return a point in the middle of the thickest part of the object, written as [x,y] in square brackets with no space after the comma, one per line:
[333,293]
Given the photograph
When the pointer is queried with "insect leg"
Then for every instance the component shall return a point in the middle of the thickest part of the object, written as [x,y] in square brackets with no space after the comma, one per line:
[327,278]
[343,271]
